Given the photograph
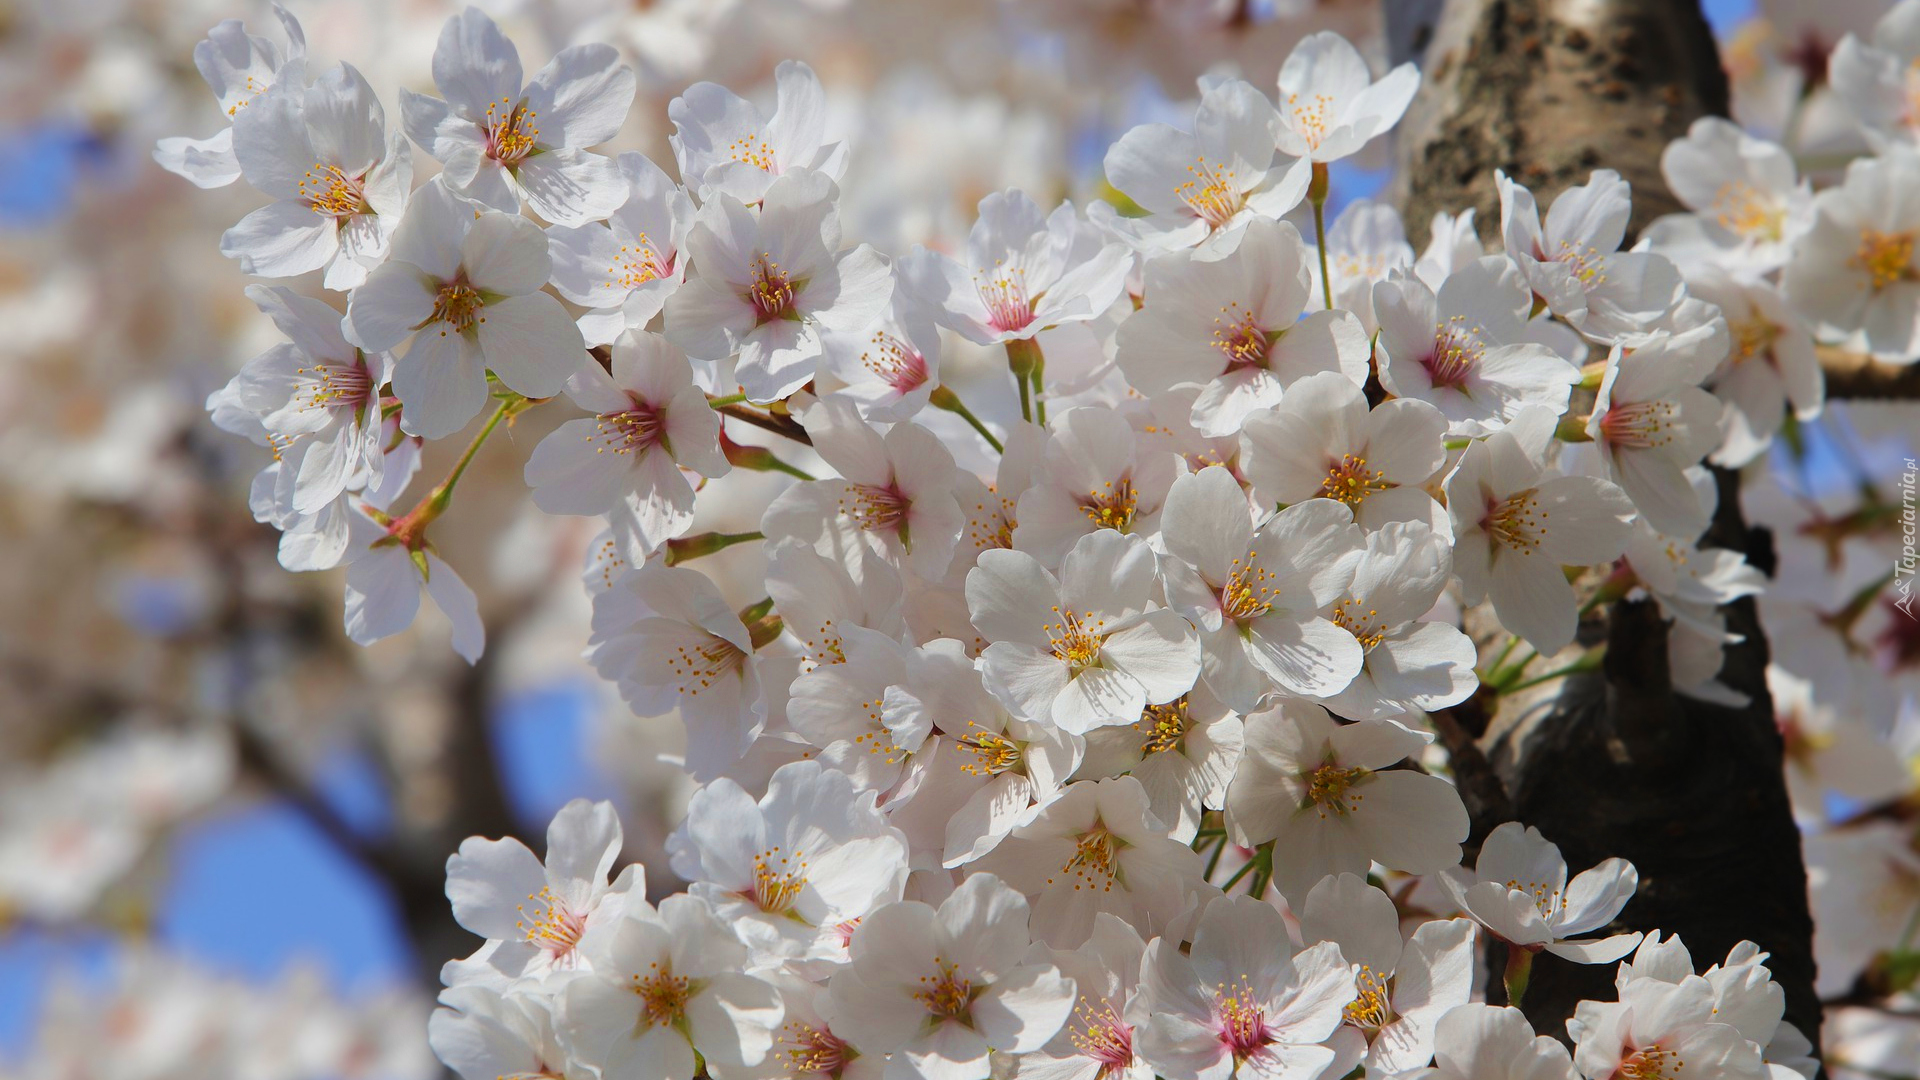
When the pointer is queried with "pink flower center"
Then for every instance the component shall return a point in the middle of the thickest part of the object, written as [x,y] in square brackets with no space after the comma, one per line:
[1328,790]
[1652,1063]
[771,291]
[698,668]
[551,925]
[1350,481]
[634,431]
[812,1049]
[1099,1033]
[1004,291]
[1243,1023]
[1113,506]
[1588,265]
[1238,338]
[878,508]
[336,385]
[457,304]
[896,363]
[1516,522]
[1076,639]
[1457,349]
[1246,596]
[1642,425]
[638,263]
[663,996]
[510,131]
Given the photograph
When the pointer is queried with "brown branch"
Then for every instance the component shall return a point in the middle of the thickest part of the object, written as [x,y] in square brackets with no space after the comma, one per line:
[1857,375]
[264,764]
[1478,781]
[761,418]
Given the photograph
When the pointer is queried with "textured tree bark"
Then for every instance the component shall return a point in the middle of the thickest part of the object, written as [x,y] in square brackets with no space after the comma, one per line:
[1618,764]
[1548,91]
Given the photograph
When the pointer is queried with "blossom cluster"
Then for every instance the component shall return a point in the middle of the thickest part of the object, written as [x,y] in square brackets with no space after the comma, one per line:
[1083,742]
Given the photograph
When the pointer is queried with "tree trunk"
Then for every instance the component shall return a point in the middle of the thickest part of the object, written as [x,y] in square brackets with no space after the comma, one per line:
[1549,90]
[1619,765]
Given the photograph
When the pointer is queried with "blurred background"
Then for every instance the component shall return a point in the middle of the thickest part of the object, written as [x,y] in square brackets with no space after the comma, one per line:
[223,827]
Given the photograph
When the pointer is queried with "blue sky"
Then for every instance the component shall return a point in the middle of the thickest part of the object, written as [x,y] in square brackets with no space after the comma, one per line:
[254,887]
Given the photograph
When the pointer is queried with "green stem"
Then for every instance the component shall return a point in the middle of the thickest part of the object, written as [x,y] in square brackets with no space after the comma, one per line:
[1213,861]
[1913,924]
[680,549]
[1519,971]
[1024,359]
[1245,869]
[730,399]
[776,465]
[1317,195]
[1513,640]
[944,398]
[1504,677]
[442,495]
[1587,662]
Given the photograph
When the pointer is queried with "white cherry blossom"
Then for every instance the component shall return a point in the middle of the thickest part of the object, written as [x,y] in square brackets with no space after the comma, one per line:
[1325,794]
[1405,985]
[1229,323]
[1086,648]
[622,271]
[895,492]
[1323,442]
[1330,104]
[1651,421]
[1257,596]
[1494,1042]
[1411,664]
[1242,1000]
[1519,890]
[1021,275]
[1854,272]
[1097,849]
[1463,348]
[1096,472]
[240,68]
[727,147]
[1183,753]
[535,915]
[1515,525]
[461,292]
[793,872]
[1204,183]
[667,991]
[1574,263]
[319,394]
[339,180]
[765,283]
[1097,1041]
[386,574]
[939,988]
[504,144]
[667,640]
[650,422]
